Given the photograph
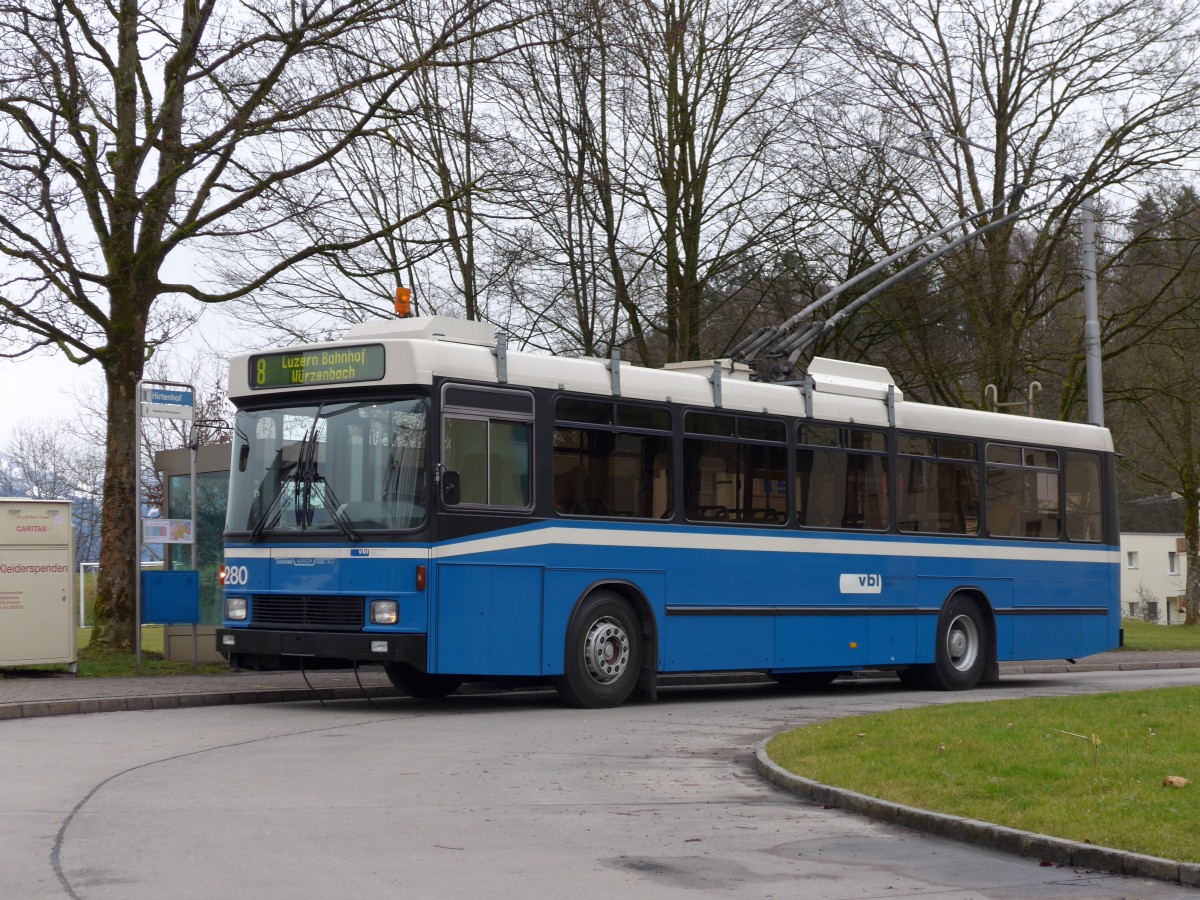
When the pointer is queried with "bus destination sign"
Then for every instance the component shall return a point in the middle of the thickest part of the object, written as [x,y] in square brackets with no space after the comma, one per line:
[306,368]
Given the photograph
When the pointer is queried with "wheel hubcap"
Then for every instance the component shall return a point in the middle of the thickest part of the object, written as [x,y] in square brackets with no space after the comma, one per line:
[606,650]
[962,643]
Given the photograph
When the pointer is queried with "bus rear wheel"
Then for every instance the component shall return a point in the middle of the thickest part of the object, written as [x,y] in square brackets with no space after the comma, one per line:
[421,685]
[962,647]
[603,653]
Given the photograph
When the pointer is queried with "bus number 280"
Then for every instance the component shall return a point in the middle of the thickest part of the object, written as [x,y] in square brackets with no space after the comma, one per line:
[236,576]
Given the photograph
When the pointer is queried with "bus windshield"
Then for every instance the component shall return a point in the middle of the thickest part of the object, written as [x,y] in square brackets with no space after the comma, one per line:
[341,467]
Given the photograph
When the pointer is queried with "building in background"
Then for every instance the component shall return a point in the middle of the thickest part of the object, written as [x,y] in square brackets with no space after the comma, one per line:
[1153,577]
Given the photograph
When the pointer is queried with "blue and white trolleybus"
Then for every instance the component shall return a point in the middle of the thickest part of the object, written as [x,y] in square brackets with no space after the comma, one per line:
[417,497]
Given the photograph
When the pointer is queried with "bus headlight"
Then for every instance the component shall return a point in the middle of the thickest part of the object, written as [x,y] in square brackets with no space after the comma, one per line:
[384,612]
[236,608]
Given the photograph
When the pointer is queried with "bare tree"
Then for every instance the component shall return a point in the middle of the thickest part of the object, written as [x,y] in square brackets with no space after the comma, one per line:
[44,461]
[659,144]
[968,102]
[421,182]
[724,85]
[134,130]
[616,179]
[561,93]
[1156,419]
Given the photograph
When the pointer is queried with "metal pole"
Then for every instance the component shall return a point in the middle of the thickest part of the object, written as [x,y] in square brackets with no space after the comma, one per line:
[1091,325]
[137,528]
[81,623]
[194,444]
[137,475]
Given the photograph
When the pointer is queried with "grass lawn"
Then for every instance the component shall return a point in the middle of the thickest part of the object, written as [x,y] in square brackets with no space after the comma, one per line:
[152,639]
[1147,636]
[93,664]
[1011,763]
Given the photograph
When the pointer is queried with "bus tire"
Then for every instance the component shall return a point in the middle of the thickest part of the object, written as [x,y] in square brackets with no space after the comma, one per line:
[603,653]
[421,685]
[962,650]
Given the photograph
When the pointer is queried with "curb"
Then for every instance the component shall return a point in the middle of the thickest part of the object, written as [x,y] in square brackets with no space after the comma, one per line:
[42,708]
[1066,668]
[35,709]
[982,834]
[77,706]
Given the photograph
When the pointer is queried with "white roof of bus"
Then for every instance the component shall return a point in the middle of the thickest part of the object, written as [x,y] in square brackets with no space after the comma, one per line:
[418,350]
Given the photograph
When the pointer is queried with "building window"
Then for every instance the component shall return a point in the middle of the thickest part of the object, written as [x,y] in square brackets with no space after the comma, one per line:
[1131,559]
[1172,563]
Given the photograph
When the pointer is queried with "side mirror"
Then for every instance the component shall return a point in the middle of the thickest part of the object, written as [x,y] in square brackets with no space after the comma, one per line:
[451,488]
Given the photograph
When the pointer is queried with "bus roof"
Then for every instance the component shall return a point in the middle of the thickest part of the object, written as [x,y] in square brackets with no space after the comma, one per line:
[416,351]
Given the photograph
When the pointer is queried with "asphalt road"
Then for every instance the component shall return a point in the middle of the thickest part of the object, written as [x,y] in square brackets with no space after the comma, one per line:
[485,796]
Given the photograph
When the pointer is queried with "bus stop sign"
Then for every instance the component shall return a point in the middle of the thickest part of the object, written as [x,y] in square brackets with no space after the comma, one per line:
[167,403]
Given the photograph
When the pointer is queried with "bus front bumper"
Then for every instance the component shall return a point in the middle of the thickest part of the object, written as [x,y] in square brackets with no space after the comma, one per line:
[256,648]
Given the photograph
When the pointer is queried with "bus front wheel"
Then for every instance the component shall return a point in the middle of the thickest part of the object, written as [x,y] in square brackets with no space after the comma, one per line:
[421,685]
[603,653]
[962,647]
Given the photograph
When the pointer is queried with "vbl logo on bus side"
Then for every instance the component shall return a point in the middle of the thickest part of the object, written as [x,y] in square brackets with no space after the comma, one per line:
[871,583]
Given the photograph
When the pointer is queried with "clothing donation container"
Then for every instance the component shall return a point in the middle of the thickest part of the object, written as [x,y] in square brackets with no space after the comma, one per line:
[37,623]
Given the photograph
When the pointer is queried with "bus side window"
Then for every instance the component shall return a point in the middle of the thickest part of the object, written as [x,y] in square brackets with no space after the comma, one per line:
[508,464]
[841,479]
[1022,492]
[466,454]
[1084,512]
[491,459]
[940,478]
[486,437]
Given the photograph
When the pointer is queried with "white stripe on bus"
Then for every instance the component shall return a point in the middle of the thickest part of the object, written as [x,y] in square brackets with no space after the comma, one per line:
[789,542]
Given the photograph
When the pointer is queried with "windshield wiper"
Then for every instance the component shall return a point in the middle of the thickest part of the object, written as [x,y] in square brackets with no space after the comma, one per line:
[332,507]
[308,478]
[297,476]
[272,508]
[303,478]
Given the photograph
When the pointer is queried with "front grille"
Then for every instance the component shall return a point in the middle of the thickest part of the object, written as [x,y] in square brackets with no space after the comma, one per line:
[338,613]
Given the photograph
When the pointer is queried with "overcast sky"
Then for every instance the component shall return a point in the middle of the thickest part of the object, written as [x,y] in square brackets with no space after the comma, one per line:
[45,387]
[40,389]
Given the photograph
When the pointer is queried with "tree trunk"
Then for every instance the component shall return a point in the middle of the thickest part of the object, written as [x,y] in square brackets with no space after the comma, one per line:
[1191,535]
[119,553]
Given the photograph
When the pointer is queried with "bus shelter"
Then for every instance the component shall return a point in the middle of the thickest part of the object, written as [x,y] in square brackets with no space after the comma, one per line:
[212,487]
